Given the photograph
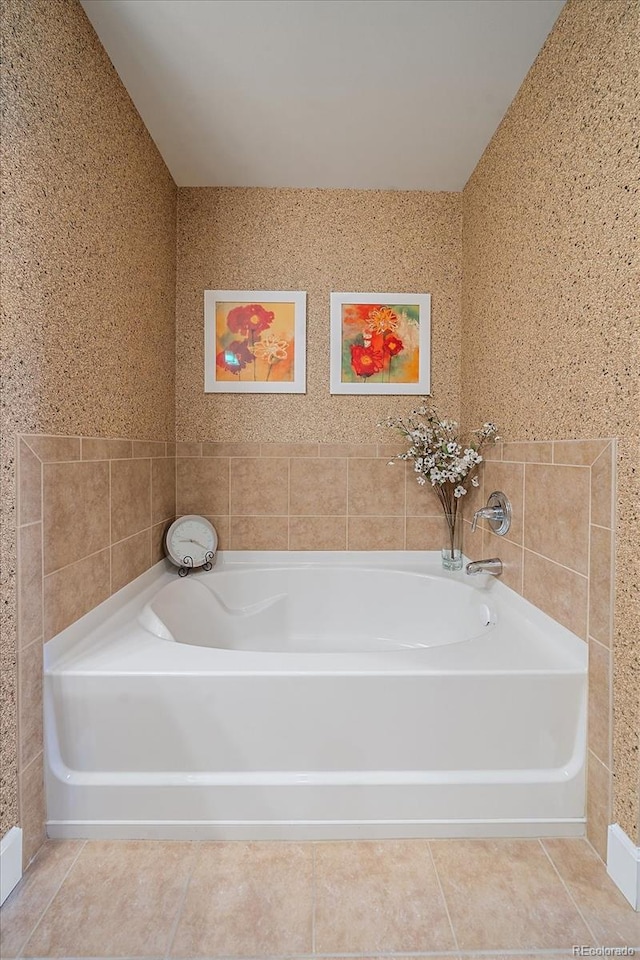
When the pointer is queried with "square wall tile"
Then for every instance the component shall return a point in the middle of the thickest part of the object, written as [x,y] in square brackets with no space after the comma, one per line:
[376,488]
[73,591]
[202,485]
[259,487]
[557,514]
[318,487]
[76,511]
[130,497]
[560,592]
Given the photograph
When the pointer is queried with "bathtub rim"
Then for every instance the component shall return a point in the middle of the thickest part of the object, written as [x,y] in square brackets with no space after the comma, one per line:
[119,608]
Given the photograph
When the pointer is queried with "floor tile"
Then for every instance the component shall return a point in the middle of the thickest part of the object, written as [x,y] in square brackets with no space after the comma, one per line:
[23,908]
[121,898]
[611,917]
[248,899]
[379,897]
[505,895]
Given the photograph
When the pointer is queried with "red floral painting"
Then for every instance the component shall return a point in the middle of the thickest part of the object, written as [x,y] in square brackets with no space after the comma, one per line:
[254,344]
[379,343]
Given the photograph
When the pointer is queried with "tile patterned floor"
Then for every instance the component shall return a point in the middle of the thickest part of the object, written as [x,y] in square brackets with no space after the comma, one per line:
[486,899]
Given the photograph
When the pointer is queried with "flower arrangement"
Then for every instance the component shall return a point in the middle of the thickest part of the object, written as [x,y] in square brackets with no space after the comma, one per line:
[442,459]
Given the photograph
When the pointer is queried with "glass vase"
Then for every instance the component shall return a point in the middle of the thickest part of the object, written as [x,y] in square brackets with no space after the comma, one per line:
[452,547]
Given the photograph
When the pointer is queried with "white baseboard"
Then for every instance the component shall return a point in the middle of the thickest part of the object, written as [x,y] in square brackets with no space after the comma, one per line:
[10,861]
[623,864]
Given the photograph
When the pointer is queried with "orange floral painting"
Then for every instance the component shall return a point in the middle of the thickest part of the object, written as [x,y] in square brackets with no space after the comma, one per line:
[254,343]
[380,345]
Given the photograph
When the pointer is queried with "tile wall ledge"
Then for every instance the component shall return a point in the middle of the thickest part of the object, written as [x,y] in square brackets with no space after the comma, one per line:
[577,453]
[66,448]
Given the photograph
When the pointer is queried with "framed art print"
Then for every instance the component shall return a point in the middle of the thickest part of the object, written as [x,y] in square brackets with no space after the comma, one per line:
[254,341]
[381,343]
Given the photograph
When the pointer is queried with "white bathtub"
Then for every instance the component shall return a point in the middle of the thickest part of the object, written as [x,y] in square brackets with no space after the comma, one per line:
[315,696]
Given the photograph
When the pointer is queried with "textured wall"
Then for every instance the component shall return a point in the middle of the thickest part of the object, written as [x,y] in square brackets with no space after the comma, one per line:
[550,289]
[318,241]
[88,274]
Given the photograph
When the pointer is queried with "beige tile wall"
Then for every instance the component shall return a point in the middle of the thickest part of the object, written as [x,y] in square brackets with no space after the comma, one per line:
[307,496]
[559,555]
[91,517]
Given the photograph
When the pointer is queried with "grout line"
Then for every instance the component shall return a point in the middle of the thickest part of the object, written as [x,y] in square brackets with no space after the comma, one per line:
[53,895]
[599,526]
[183,899]
[23,526]
[444,899]
[80,560]
[569,894]
[557,563]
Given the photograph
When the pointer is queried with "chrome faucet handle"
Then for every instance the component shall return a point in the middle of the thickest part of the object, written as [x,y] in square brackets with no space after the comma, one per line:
[497,512]
[486,513]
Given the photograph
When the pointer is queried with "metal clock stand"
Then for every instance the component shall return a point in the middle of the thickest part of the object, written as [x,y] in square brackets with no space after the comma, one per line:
[187,564]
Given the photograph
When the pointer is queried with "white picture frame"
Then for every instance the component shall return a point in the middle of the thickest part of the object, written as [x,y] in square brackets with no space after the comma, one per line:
[255,341]
[366,346]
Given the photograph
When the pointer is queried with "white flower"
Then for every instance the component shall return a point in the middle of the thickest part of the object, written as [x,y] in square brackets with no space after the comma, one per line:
[475,482]
[459,492]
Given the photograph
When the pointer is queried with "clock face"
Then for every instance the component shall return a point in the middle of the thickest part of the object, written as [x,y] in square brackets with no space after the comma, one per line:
[191,537]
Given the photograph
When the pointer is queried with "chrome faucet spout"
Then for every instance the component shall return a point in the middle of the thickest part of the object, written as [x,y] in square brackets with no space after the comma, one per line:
[493,566]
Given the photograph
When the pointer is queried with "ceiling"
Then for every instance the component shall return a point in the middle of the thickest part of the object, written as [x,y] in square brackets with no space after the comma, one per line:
[388,94]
